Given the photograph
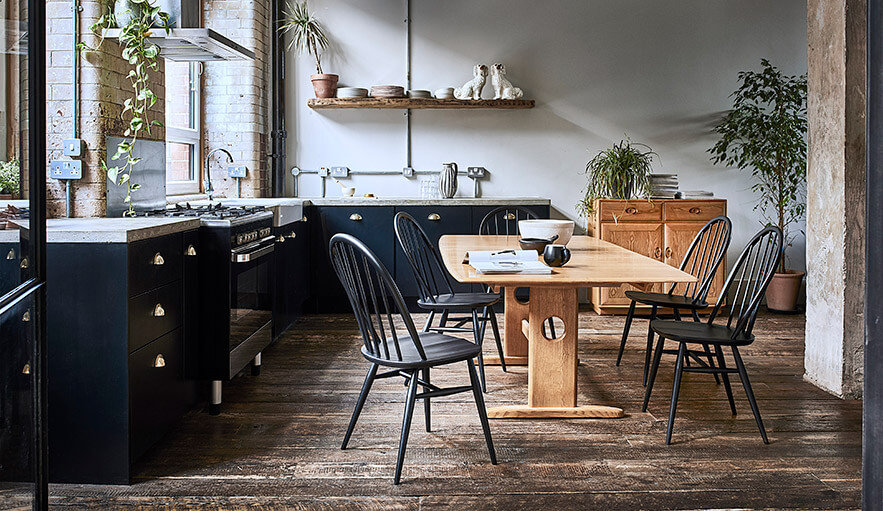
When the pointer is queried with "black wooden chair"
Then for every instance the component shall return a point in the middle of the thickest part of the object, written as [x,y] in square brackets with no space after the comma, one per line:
[754,270]
[378,306]
[503,221]
[437,294]
[704,256]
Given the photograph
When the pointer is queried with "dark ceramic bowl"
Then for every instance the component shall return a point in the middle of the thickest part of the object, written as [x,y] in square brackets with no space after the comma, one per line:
[538,244]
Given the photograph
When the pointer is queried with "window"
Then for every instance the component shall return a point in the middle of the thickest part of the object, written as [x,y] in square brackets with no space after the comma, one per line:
[182,127]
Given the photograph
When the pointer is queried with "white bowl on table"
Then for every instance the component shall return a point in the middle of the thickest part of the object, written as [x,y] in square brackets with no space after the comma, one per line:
[546,228]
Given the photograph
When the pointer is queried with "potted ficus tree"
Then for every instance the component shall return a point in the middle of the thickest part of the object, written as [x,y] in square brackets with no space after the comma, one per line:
[618,172]
[308,36]
[766,132]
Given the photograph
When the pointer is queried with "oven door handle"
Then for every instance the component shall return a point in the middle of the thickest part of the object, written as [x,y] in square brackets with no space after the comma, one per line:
[253,251]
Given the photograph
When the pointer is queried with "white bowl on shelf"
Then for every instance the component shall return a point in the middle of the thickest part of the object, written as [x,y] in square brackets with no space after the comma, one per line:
[546,228]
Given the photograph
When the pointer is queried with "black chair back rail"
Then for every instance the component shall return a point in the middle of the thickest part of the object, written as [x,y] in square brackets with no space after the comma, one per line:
[704,256]
[504,220]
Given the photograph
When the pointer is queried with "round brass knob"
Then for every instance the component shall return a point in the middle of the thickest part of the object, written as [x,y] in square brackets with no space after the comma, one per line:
[158,311]
[159,361]
[355,217]
[158,259]
[434,217]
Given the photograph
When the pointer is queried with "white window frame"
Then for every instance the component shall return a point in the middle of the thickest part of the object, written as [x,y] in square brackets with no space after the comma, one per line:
[189,136]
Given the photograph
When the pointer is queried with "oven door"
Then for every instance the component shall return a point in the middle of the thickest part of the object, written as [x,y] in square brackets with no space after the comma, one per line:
[251,301]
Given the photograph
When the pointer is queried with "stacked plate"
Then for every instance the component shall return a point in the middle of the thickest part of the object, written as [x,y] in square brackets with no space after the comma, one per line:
[352,92]
[697,194]
[387,91]
[419,94]
[663,186]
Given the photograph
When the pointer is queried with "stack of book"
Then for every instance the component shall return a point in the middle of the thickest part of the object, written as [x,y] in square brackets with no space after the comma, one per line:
[522,262]
[697,194]
[663,186]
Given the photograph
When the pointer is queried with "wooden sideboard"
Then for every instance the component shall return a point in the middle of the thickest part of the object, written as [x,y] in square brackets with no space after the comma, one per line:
[661,229]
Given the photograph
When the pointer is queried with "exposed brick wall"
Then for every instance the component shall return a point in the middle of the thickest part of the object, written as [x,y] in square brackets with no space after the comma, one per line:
[237,94]
[103,89]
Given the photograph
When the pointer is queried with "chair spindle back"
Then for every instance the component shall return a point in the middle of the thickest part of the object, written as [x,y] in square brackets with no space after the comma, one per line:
[704,256]
[504,220]
[426,264]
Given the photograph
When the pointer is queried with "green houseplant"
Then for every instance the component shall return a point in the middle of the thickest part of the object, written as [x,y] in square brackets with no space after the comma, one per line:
[10,178]
[142,56]
[766,132]
[308,36]
[618,172]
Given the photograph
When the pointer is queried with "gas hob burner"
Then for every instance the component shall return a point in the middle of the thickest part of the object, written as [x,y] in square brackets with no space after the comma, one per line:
[218,211]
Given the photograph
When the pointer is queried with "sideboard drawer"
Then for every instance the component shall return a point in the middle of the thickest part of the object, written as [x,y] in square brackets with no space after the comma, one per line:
[155,313]
[687,210]
[629,211]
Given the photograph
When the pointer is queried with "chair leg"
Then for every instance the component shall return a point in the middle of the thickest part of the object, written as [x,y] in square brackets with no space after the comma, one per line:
[552,334]
[677,314]
[478,339]
[722,364]
[707,350]
[649,346]
[496,330]
[657,355]
[482,412]
[443,320]
[625,332]
[743,374]
[406,425]
[426,402]
[429,321]
[679,370]
[366,387]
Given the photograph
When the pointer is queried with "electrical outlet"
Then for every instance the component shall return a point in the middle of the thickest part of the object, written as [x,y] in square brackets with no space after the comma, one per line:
[340,171]
[73,147]
[408,171]
[66,169]
[237,170]
[476,172]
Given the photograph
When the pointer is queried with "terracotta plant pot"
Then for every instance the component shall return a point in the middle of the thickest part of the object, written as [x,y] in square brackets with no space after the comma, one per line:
[325,85]
[782,293]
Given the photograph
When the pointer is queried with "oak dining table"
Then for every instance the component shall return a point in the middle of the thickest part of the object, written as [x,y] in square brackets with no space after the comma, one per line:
[552,363]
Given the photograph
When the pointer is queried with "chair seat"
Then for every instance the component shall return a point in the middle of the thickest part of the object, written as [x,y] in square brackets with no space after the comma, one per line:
[666,300]
[459,301]
[689,331]
[439,348]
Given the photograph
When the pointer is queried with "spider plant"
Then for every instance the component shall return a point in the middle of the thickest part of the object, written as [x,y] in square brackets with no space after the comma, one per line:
[618,172]
[307,34]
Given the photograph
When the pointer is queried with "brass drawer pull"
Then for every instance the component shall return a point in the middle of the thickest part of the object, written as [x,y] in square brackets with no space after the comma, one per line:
[509,216]
[657,252]
[434,217]
[668,252]
[631,210]
[159,361]
[158,311]
[191,250]
[11,255]
[158,260]
[24,264]
[695,211]
[355,217]
[26,316]
[26,369]
[305,218]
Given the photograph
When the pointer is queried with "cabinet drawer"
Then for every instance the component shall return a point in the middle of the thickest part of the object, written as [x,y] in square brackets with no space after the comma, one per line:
[687,210]
[158,392]
[155,262]
[629,211]
[155,313]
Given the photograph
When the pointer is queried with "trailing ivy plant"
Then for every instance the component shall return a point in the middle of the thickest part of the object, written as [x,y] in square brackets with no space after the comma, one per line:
[766,131]
[142,57]
[618,172]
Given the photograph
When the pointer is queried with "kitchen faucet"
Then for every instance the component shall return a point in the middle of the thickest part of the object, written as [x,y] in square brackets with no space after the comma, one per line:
[209,189]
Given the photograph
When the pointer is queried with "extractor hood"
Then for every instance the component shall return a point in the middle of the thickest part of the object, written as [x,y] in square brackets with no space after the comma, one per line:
[187,41]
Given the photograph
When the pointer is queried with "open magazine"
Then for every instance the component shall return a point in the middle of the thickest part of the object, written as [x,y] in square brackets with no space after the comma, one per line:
[522,262]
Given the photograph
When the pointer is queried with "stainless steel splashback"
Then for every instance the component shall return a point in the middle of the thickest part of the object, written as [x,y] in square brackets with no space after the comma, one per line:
[150,173]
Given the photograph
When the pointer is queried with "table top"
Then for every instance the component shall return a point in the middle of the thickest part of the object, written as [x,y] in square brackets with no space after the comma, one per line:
[593,263]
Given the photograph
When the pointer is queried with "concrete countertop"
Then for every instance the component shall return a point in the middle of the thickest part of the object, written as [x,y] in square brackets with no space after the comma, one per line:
[409,201]
[114,230]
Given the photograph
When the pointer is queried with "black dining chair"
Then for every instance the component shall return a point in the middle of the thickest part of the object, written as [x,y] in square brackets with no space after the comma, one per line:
[703,258]
[751,274]
[503,221]
[437,294]
[378,306]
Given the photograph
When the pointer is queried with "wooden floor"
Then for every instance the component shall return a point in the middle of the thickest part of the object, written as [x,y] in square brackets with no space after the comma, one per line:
[276,444]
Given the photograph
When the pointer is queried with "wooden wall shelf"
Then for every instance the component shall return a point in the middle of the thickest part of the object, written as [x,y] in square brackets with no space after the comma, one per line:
[420,103]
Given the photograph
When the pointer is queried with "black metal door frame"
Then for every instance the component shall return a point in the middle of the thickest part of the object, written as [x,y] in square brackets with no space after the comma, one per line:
[872,420]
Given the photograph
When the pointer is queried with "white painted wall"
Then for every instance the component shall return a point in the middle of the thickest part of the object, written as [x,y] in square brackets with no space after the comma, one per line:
[659,71]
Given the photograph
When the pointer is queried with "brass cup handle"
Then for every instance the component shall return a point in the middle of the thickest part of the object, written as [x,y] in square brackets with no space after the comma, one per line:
[191,250]
[158,311]
[159,361]
[26,369]
[355,217]
[305,218]
[631,210]
[657,252]
[509,216]
[24,264]
[11,255]
[292,235]
[26,316]
[158,260]
[280,239]
[668,252]
[695,211]
[434,217]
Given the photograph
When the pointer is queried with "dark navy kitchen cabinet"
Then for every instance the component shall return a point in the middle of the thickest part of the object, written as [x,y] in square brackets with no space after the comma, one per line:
[292,274]
[479,212]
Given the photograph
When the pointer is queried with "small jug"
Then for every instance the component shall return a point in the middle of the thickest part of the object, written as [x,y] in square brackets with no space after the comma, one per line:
[556,255]
[447,180]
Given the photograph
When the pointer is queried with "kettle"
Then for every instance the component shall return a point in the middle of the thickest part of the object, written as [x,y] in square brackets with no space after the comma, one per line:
[447,180]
